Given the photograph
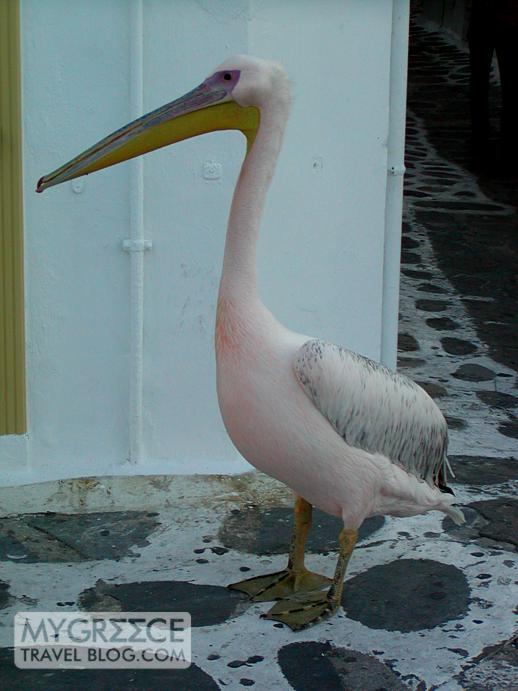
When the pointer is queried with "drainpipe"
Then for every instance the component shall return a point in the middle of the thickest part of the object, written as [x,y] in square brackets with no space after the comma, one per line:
[136,244]
[395,174]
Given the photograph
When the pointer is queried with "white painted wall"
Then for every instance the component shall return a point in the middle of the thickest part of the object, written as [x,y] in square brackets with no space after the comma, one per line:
[321,252]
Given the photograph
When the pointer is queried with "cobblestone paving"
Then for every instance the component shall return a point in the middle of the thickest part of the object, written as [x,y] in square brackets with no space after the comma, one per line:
[427,605]
[459,290]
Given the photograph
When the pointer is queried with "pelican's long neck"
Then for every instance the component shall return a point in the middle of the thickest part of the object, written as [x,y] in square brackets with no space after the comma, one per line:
[238,279]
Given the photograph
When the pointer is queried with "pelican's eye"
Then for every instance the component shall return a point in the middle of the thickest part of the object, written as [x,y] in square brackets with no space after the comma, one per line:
[227,76]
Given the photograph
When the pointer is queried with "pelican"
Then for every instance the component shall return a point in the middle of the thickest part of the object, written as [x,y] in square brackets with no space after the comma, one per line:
[346,434]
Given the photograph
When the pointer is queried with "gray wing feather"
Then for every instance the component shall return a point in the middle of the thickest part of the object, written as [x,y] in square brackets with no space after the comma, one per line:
[374,409]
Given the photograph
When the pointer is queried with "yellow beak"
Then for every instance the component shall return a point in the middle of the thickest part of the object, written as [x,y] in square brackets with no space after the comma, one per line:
[207,108]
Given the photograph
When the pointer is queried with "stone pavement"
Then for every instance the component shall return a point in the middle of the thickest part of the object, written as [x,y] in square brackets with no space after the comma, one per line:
[427,605]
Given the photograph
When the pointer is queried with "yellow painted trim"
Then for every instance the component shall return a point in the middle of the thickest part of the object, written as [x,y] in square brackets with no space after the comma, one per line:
[12,340]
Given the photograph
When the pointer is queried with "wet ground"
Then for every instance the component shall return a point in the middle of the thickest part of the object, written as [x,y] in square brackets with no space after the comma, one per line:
[427,605]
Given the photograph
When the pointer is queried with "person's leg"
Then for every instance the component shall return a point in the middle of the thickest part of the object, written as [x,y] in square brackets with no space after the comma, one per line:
[507,54]
[481,48]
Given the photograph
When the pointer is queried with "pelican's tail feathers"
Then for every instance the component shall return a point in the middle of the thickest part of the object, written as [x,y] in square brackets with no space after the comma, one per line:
[455,513]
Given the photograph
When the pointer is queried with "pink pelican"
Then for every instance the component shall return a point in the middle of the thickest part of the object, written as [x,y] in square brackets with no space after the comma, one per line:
[346,434]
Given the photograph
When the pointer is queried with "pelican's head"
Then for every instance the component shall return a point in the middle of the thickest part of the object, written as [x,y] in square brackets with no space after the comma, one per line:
[231,98]
[259,83]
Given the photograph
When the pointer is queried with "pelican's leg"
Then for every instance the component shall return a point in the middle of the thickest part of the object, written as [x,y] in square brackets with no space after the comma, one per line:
[304,609]
[295,577]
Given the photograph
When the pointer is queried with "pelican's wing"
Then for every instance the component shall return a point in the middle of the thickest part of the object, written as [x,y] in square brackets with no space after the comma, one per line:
[375,409]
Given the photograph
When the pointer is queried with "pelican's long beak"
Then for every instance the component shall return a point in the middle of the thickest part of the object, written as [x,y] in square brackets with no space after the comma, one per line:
[206,108]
